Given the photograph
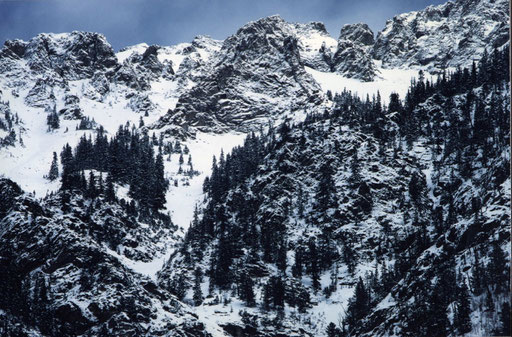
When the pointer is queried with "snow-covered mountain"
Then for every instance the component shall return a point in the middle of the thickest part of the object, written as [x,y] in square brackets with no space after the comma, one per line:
[341,190]
[449,35]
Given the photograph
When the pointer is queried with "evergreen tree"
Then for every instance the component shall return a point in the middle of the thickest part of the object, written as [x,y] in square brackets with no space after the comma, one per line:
[110,193]
[297,266]
[160,184]
[92,190]
[325,198]
[358,305]
[198,294]
[462,320]
[477,281]
[504,329]
[246,289]
[497,270]
[313,259]
[178,286]
[54,168]
[53,121]
[333,330]
[278,292]
[303,300]
[281,256]
[222,276]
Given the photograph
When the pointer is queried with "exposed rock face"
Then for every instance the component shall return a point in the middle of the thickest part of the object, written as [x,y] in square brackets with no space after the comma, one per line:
[14,49]
[75,55]
[353,60]
[449,35]
[238,81]
[41,95]
[315,44]
[257,73]
[139,69]
[359,33]
[350,56]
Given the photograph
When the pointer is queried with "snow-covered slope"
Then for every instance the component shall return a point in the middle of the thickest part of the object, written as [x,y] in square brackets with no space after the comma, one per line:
[199,98]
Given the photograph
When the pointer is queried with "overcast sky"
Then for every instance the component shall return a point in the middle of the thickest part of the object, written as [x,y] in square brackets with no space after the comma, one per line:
[128,22]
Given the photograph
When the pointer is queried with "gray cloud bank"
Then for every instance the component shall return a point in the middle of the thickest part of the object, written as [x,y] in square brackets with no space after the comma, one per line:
[128,22]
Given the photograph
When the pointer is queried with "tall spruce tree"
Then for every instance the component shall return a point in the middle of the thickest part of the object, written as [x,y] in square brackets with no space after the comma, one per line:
[462,320]
[198,293]
[54,168]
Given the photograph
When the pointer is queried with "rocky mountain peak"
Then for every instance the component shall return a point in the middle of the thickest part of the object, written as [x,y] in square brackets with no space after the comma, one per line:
[358,32]
[449,35]
[73,55]
[205,42]
[14,48]
[259,63]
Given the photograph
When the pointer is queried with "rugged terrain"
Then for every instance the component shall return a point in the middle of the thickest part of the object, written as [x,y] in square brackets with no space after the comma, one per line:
[345,198]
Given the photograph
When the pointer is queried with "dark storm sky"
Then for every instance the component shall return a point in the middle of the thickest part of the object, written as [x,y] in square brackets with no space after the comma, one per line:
[128,22]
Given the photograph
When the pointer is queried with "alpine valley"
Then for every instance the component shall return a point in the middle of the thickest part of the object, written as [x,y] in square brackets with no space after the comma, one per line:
[281,182]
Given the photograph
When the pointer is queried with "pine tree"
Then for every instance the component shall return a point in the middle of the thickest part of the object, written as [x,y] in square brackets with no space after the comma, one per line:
[477,282]
[325,198]
[358,305]
[462,320]
[100,184]
[300,201]
[179,286]
[198,294]
[160,184]
[333,330]
[348,256]
[278,292]
[315,272]
[281,256]
[297,266]
[92,192]
[436,317]
[497,268]
[53,121]
[246,289]
[504,329]
[355,170]
[110,193]
[54,168]
[303,300]
[222,276]
[267,295]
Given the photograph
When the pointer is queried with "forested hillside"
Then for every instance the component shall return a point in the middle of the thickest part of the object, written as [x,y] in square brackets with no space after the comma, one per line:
[405,204]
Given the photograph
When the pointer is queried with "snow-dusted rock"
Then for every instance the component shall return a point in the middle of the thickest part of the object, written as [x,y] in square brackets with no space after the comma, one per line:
[73,55]
[353,60]
[257,73]
[358,32]
[62,275]
[449,35]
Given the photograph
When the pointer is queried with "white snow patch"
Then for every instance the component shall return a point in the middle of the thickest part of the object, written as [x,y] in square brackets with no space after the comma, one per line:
[128,51]
[389,81]
[181,200]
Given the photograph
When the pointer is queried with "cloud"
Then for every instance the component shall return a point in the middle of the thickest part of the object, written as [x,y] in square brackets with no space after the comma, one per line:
[165,22]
